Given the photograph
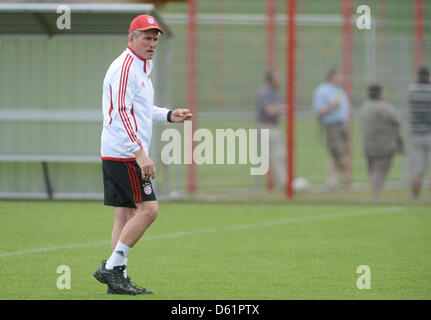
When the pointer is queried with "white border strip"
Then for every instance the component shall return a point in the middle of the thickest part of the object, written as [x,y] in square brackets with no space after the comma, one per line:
[77,7]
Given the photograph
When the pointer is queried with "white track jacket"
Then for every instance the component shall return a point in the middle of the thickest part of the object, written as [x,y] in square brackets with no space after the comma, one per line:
[128,108]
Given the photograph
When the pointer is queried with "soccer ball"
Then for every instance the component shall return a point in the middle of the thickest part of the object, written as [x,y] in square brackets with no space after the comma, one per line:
[300,184]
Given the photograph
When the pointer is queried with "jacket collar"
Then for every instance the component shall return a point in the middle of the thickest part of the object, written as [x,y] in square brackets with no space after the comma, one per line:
[147,65]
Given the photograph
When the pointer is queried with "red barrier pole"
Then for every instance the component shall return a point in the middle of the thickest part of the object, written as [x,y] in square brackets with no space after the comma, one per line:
[347,73]
[270,61]
[290,95]
[270,34]
[419,34]
[191,94]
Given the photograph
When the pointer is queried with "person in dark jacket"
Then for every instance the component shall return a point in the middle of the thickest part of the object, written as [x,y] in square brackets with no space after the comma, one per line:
[270,106]
[380,124]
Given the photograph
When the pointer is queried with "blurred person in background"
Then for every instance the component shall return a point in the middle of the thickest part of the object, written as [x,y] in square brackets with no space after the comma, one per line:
[420,128]
[380,124]
[332,107]
[270,107]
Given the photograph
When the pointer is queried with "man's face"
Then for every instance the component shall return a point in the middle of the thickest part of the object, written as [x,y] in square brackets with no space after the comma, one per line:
[145,44]
[276,79]
[337,78]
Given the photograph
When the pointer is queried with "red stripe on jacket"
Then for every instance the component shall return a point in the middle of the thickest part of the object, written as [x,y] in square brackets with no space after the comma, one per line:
[122,97]
[123,109]
[112,105]
[126,60]
[134,119]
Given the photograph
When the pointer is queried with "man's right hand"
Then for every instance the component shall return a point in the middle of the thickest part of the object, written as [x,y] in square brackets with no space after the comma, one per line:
[330,106]
[146,164]
[336,103]
[274,109]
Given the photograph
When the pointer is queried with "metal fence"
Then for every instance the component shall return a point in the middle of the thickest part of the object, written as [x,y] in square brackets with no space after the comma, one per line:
[231,55]
[62,78]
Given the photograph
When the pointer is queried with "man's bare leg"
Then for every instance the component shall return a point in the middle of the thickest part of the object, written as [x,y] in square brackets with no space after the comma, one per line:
[129,226]
[346,172]
[121,216]
[132,231]
[145,215]
[416,185]
[331,181]
[375,183]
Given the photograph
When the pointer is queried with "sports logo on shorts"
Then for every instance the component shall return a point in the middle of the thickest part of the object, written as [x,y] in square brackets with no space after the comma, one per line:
[150,20]
[148,190]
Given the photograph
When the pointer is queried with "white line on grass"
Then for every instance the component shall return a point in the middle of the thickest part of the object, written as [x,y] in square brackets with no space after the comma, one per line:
[327,216]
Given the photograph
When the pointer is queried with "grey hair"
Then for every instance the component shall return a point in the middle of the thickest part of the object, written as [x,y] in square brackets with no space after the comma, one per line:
[136,33]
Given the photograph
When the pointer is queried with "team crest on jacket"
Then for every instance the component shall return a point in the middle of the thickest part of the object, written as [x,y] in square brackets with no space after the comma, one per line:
[143,84]
[148,190]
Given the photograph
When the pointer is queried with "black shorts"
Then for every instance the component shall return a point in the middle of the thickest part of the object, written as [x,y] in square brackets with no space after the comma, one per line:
[123,184]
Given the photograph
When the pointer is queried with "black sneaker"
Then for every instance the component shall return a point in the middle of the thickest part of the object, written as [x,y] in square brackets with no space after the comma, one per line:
[140,290]
[114,279]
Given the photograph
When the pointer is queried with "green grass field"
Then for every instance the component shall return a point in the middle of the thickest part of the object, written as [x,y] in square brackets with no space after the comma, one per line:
[222,250]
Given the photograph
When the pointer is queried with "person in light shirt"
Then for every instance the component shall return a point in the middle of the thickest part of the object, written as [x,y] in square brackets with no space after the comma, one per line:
[332,107]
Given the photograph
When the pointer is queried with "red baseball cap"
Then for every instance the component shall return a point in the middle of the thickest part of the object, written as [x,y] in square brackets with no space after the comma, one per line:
[144,22]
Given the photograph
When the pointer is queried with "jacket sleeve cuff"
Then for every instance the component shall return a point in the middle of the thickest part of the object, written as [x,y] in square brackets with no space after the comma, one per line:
[160,114]
[135,147]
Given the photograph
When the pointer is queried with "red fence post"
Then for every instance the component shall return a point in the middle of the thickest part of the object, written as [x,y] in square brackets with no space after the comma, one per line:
[191,90]
[270,61]
[347,73]
[270,34]
[419,34]
[290,95]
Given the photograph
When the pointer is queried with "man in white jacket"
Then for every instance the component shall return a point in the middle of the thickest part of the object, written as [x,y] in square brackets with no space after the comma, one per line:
[129,111]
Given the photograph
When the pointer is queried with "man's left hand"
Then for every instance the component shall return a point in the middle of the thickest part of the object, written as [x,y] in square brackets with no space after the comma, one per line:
[180,115]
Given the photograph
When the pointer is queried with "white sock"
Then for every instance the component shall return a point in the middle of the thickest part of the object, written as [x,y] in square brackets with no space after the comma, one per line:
[118,256]
[125,270]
